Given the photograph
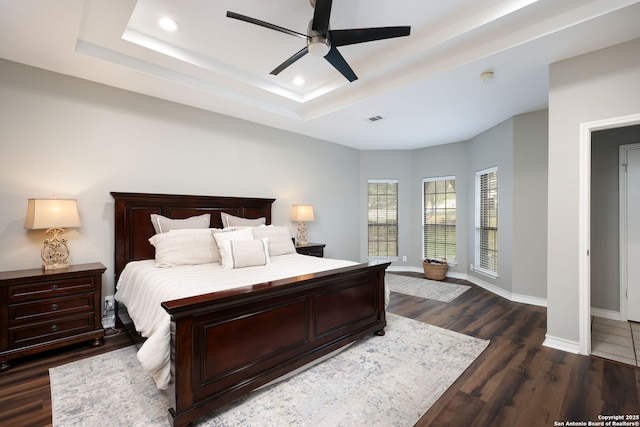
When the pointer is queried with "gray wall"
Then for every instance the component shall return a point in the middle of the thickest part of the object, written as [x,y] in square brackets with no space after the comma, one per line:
[600,85]
[494,148]
[77,139]
[605,220]
[529,242]
[518,147]
[442,160]
[388,165]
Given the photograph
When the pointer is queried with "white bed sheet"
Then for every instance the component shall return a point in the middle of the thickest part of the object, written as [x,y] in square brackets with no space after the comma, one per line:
[142,287]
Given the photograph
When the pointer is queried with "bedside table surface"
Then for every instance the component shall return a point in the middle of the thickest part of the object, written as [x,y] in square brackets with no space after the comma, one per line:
[312,245]
[33,272]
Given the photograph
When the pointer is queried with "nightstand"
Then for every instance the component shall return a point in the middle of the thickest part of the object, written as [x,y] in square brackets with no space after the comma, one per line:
[313,249]
[41,310]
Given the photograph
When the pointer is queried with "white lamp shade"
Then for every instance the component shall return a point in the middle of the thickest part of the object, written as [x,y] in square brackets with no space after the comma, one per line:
[52,213]
[302,213]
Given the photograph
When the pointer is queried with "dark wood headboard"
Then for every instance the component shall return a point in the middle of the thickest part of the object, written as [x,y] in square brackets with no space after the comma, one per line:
[133,226]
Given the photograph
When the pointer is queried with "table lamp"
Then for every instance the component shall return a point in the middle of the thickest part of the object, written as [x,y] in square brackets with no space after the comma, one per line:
[301,214]
[53,215]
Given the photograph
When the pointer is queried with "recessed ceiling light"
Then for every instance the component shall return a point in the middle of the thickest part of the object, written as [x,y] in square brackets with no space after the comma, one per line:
[298,81]
[168,24]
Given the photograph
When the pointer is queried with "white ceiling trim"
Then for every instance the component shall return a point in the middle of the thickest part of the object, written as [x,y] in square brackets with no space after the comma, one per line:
[426,86]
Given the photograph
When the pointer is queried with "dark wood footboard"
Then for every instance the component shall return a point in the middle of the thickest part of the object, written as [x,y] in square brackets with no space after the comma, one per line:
[224,345]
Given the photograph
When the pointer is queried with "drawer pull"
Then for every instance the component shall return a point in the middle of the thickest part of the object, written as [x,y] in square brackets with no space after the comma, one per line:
[54,328]
[54,307]
[54,287]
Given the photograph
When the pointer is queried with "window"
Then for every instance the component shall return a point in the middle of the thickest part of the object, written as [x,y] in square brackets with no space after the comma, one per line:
[382,212]
[439,217]
[486,220]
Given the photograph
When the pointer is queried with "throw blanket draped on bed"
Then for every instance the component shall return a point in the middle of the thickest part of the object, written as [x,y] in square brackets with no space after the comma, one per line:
[142,287]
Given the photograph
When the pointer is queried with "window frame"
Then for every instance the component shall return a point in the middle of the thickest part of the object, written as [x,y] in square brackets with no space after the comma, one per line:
[377,256]
[478,267]
[450,260]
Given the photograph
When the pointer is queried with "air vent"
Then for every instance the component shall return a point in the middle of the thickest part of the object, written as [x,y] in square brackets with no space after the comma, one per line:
[374,118]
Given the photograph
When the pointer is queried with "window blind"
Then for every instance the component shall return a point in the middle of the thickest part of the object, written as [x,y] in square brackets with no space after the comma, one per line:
[439,218]
[382,213]
[487,220]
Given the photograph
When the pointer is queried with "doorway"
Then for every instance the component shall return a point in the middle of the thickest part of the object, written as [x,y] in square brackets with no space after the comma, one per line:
[614,230]
[630,229]
[584,222]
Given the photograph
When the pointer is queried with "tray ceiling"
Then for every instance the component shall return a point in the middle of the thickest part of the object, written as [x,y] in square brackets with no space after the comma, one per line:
[426,87]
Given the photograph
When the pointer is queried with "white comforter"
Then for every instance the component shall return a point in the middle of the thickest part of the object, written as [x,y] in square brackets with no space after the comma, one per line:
[142,287]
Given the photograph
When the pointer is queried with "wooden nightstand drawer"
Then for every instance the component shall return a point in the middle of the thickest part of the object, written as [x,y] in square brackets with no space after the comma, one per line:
[45,309]
[312,249]
[36,311]
[52,288]
[22,336]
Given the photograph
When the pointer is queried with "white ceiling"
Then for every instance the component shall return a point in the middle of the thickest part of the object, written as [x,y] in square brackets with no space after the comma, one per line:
[427,86]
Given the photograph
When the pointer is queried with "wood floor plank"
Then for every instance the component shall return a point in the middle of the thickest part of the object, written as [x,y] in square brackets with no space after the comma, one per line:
[619,389]
[514,382]
[464,406]
[541,396]
[584,372]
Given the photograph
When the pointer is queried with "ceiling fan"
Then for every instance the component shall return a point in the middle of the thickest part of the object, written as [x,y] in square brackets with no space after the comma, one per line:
[322,41]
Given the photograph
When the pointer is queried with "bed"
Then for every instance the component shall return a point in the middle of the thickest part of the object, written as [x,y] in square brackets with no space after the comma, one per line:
[293,321]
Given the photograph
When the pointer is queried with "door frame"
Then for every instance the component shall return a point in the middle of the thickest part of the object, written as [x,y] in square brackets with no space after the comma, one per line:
[624,256]
[584,221]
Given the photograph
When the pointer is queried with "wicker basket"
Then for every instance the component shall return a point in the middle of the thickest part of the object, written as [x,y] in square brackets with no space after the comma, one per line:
[435,269]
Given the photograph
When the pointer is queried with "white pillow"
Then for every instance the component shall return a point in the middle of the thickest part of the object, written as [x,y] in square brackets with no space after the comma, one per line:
[222,240]
[162,224]
[280,242]
[233,221]
[247,253]
[185,247]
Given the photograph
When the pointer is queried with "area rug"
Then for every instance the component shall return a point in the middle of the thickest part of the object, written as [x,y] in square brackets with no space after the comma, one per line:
[378,381]
[424,288]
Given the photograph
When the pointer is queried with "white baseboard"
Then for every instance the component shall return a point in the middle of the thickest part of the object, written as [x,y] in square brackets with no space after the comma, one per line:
[489,287]
[561,344]
[525,299]
[605,314]
[455,275]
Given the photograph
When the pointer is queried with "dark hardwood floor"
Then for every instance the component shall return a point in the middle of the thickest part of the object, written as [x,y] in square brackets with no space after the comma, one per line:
[25,397]
[515,382]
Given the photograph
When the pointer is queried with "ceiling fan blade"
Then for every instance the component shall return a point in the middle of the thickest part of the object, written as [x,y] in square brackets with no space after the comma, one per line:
[347,37]
[321,15]
[264,24]
[290,61]
[340,64]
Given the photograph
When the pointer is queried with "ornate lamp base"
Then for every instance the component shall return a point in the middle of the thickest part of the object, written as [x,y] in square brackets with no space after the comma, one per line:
[301,239]
[55,252]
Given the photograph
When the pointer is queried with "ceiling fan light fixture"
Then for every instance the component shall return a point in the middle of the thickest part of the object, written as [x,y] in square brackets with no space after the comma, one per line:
[319,47]
[323,42]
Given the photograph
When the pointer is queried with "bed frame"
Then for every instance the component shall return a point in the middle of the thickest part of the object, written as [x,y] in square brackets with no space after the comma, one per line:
[226,344]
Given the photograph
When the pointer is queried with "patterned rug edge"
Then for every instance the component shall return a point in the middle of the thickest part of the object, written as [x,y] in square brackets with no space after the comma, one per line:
[405,351]
[425,288]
